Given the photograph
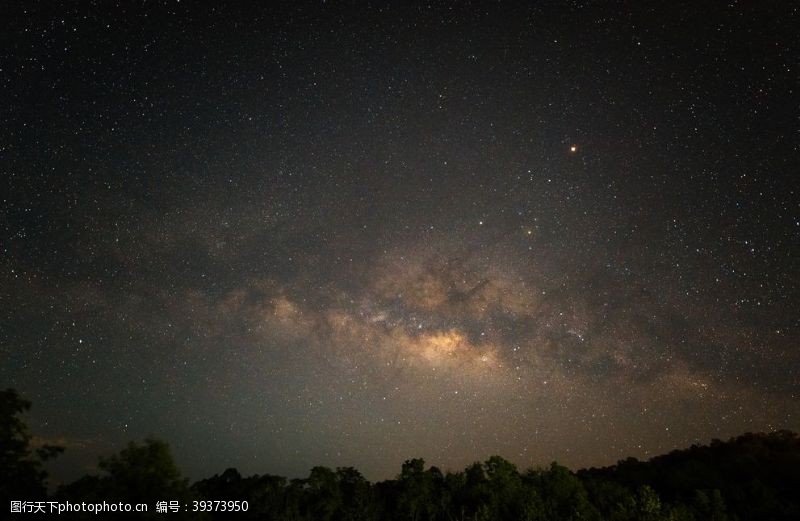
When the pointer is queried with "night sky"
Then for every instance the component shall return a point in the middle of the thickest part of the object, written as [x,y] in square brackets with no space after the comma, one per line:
[349,235]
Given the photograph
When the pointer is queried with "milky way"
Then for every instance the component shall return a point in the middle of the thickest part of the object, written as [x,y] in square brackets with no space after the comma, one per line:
[342,236]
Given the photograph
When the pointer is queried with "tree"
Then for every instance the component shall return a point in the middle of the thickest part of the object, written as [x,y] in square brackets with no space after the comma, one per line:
[144,472]
[710,505]
[322,493]
[506,496]
[564,495]
[475,494]
[355,493]
[648,503]
[139,473]
[414,490]
[23,477]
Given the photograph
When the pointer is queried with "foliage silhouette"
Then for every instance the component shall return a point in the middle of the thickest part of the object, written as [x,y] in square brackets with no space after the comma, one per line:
[753,476]
[20,463]
[140,473]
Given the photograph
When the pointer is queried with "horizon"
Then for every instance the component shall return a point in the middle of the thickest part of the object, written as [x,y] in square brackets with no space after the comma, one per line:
[52,485]
[63,461]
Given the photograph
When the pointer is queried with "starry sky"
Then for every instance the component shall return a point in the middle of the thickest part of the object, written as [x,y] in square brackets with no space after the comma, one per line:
[349,234]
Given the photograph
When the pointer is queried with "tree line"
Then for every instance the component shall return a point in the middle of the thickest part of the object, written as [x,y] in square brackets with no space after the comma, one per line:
[750,477]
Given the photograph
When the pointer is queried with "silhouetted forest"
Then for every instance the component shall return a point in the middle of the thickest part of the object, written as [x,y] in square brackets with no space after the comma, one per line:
[751,477]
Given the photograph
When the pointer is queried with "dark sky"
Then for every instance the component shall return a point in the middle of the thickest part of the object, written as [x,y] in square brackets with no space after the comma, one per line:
[355,234]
